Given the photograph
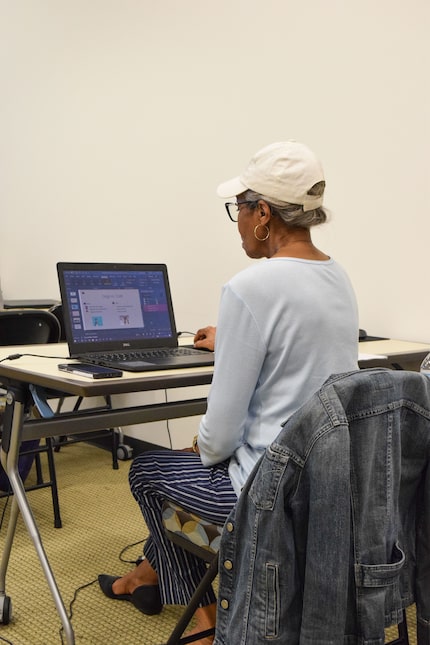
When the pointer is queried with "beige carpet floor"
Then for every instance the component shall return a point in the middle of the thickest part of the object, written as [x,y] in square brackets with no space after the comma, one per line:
[100,518]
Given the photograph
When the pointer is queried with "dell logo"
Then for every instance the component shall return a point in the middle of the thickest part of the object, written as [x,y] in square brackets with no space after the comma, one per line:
[126,344]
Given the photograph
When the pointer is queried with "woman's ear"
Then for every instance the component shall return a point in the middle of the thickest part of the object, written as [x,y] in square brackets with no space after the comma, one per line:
[264,211]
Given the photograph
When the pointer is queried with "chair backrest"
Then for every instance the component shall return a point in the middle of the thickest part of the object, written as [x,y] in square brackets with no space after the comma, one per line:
[57,310]
[28,327]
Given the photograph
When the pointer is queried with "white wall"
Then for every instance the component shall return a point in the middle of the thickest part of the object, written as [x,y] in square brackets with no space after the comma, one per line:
[118,118]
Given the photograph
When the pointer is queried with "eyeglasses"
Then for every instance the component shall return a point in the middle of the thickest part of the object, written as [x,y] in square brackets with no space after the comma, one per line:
[233,208]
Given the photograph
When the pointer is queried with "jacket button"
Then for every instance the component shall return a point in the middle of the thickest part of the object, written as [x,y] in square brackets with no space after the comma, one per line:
[229,526]
[224,603]
[228,564]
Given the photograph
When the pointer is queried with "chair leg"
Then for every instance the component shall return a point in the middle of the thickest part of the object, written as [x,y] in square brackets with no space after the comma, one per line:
[40,483]
[38,465]
[403,631]
[54,488]
[181,625]
[114,436]
[403,638]
[115,444]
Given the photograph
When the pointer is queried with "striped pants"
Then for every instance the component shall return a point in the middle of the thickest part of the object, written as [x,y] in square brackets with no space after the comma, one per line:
[182,478]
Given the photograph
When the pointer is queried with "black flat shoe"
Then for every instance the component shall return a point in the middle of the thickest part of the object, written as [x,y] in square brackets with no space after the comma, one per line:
[146,598]
[106,583]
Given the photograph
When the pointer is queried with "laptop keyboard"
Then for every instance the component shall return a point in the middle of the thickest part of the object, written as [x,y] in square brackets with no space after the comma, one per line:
[144,355]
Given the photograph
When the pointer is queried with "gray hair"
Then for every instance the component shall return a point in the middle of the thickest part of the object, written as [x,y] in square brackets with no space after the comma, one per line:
[293,214]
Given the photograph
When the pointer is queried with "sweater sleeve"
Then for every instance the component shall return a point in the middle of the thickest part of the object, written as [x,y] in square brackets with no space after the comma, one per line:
[239,355]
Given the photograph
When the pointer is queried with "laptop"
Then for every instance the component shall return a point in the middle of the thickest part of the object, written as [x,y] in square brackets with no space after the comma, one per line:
[121,316]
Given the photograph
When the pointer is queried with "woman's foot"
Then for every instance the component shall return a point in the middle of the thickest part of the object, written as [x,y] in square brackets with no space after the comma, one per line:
[141,575]
[140,587]
[145,598]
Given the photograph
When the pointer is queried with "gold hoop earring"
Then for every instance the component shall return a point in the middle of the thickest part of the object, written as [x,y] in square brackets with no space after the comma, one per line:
[261,239]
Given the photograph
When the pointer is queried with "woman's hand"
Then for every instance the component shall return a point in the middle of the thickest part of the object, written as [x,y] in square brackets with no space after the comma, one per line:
[205,338]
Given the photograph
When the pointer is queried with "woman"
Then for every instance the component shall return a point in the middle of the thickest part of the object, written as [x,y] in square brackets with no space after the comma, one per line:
[285,325]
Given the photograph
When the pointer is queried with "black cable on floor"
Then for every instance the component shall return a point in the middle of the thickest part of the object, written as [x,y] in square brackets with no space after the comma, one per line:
[88,584]
[75,595]
[130,546]
[4,640]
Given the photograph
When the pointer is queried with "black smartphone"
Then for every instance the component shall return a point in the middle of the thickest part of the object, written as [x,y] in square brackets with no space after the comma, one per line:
[90,371]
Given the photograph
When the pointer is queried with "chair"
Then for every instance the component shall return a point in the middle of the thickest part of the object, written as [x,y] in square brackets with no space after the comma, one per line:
[32,327]
[28,327]
[202,539]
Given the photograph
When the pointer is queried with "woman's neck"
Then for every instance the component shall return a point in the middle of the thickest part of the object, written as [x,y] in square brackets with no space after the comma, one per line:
[296,245]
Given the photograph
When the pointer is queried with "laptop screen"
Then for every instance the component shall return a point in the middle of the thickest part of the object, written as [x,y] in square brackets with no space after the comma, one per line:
[112,306]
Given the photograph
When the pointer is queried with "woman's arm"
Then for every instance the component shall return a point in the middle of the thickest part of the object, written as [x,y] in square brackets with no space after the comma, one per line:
[240,353]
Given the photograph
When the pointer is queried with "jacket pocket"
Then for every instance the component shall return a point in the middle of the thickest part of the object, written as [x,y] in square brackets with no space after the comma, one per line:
[272,601]
[378,593]
[264,488]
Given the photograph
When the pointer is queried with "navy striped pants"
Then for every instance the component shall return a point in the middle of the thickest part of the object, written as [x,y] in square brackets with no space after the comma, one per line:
[182,478]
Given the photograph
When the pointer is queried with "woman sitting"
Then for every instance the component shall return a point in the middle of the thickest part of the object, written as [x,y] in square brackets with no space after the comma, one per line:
[285,325]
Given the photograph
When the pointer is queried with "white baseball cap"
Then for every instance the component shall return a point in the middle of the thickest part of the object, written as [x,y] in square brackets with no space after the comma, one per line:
[283,172]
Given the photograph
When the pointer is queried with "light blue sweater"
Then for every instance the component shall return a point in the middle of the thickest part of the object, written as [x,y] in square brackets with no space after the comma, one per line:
[285,325]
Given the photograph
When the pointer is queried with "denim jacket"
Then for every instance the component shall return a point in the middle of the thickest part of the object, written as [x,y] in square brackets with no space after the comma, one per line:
[330,538]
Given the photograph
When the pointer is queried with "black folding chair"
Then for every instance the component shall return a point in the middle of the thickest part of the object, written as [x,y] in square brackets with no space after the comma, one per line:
[32,327]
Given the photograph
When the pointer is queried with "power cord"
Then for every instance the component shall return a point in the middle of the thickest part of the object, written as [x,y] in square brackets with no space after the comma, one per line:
[13,357]
[167,423]
[89,584]
[130,546]
[75,595]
